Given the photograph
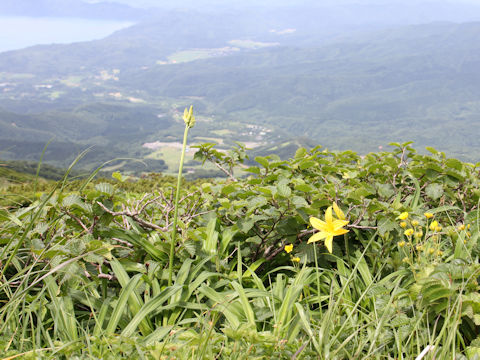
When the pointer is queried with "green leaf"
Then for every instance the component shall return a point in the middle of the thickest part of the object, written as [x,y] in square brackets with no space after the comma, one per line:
[301,152]
[432,150]
[299,202]
[210,244]
[262,161]
[104,188]
[253,169]
[434,191]
[304,188]
[307,164]
[455,164]
[385,190]
[228,189]
[385,225]
[245,225]
[283,189]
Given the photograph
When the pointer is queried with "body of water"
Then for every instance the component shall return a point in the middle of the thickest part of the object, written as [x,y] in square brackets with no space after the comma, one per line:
[20,32]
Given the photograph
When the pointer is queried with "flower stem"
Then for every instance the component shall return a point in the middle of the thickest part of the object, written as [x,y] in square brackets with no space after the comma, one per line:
[175,215]
[318,279]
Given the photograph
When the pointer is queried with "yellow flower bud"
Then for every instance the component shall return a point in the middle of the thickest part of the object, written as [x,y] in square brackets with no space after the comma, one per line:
[431,251]
[461,227]
[439,253]
[188,117]
[403,224]
[401,244]
[433,225]
[408,232]
[405,259]
[414,223]
[419,247]
[428,215]
[296,259]
[403,215]
[419,234]
[469,234]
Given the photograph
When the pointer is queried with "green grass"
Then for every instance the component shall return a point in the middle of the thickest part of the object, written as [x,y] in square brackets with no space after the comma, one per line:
[84,266]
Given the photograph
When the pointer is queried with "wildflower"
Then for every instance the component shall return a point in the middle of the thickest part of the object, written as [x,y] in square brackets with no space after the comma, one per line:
[288,248]
[433,225]
[431,251]
[401,244]
[419,234]
[414,223]
[296,259]
[403,224]
[329,228]
[469,234]
[428,215]
[408,232]
[419,247]
[403,216]
[405,259]
[439,252]
[461,227]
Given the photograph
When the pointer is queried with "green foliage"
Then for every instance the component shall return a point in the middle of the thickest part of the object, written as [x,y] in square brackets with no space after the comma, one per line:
[85,264]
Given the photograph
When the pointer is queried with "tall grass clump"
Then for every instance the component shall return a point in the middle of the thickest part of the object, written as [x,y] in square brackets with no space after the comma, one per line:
[327,255]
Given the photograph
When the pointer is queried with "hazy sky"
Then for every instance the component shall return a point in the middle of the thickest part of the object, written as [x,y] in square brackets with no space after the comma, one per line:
[168,3]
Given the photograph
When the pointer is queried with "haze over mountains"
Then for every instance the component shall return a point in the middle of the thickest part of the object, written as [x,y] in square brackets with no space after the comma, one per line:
[348,76]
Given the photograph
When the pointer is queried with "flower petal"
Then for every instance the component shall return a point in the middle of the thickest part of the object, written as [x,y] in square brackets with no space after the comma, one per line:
[328,243]
[328,215]
[340,232]
[338,224]
[338,211]
[318,224]
[316,237]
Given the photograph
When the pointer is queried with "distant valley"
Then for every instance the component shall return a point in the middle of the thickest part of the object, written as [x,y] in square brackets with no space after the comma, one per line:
[266,84]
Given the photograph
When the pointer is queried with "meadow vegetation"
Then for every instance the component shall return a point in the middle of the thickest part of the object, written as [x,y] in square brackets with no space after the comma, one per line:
[85,265]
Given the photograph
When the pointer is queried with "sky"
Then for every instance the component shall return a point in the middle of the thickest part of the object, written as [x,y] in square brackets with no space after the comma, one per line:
[167,3]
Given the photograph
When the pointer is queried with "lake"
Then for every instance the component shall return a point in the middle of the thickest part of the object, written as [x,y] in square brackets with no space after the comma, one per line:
[19,32]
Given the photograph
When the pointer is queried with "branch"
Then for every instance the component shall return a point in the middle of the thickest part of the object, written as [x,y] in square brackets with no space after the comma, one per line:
[228,173]
[134,216]
[79,221]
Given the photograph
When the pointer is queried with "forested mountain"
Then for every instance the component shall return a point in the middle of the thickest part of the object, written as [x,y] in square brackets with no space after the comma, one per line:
[343,89]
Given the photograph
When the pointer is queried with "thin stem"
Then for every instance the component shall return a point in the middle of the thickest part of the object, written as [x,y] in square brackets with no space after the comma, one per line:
[175,215]
[318,278]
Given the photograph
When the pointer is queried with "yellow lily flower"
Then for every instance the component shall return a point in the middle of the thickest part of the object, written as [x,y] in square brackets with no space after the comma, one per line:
[329,228]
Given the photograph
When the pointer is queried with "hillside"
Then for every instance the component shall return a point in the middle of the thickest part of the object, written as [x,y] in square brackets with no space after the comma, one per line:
[354,92]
